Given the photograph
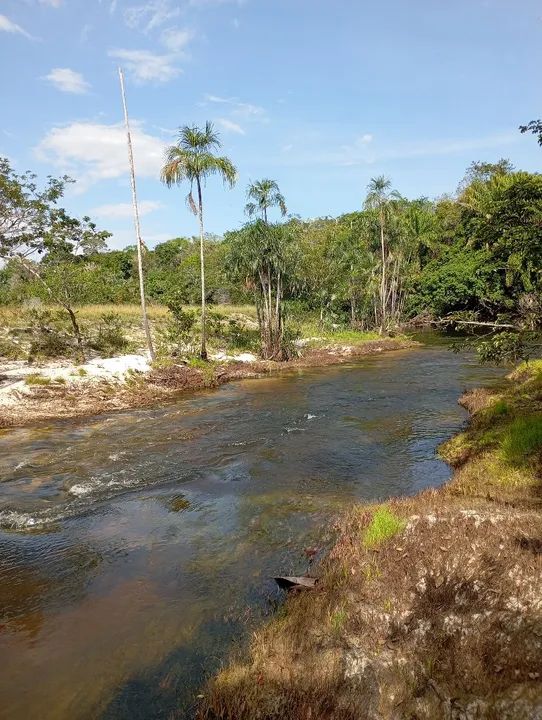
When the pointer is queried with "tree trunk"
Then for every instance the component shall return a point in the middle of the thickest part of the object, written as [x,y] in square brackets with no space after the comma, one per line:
[139,241]
[203,351]
[75,326]
[383,278]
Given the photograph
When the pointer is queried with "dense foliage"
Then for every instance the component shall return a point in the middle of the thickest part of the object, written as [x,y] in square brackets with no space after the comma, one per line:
[475,255]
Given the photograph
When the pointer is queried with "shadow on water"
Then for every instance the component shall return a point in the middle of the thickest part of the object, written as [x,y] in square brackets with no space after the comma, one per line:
[169,523]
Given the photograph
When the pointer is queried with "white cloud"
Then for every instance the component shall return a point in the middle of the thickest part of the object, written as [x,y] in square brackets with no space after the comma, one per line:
[68,81]
[230,126]
[362,151]
[51,3]
[123,237]
[151,14]
[201,3]
[146,66]
[91,152]
[239,109]
[176,39]
[125,210]
[7,25]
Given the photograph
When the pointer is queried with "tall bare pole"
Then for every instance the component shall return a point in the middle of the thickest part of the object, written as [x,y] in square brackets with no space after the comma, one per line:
[139,241]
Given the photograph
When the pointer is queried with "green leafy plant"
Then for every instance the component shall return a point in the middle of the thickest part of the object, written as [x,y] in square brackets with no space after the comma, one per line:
[110,338]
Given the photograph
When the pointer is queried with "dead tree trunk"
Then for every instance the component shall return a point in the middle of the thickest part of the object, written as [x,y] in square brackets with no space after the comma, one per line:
[139,241]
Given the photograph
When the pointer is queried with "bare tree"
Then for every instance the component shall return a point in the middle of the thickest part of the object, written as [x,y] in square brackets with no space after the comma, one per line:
[139,241]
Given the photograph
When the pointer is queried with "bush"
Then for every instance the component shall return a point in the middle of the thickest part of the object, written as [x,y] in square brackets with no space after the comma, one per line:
[48,336]
[110,338]
[177,335]
[239,337]
[11,350]
[289,342]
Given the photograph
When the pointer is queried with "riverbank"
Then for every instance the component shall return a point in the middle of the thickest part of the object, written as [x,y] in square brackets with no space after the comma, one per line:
[427,607]
[62,389]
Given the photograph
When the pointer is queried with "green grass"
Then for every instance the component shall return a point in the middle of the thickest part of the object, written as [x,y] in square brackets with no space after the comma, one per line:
[37,379]
[498,409]
[383,526]
[522,439]
[338,620]
[311,328]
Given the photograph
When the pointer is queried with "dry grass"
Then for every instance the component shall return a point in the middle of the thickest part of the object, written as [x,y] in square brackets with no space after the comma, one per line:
[428,608]
[131,313]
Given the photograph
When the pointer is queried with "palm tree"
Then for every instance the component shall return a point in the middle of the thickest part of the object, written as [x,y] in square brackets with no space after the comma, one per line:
[263,195]
[378,198]
[192,160]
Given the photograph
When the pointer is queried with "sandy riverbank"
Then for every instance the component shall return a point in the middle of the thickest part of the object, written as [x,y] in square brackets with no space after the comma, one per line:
[31,393]
[427,607]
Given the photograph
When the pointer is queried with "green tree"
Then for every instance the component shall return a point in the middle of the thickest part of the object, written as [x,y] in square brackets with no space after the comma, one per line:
[263,256]
[534,127]
[26,211]
[379,198]
[192,160]
[263,195]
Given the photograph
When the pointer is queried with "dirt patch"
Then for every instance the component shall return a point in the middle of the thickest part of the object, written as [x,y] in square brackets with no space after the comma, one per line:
[93,394]
[427,608]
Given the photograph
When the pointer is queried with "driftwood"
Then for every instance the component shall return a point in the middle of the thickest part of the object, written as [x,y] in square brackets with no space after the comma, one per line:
[486,324]
[295,582]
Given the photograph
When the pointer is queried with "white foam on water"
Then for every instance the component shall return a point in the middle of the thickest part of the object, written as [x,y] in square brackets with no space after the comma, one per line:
[116,456]
[17,520]
[95,485]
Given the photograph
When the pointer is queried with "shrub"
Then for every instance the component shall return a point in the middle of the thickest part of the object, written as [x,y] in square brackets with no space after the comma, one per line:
[177,335]
[110,337]
[289,342]
[239,337]
[48,337]
[11,350]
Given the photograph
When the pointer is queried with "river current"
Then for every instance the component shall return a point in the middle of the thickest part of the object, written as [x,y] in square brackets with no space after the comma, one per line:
[137,549]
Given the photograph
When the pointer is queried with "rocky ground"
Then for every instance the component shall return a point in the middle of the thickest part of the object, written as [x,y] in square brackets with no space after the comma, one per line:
[427,608]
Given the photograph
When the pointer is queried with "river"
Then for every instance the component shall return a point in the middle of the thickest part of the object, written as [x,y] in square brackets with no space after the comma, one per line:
[137,549]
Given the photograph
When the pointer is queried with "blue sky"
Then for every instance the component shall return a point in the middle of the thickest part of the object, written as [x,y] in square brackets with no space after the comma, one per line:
[320,95]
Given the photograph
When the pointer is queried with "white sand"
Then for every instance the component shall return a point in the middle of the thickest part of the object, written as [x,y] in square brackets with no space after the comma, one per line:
[115,369]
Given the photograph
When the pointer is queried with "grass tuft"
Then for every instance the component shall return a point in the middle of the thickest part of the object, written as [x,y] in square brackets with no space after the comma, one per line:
[383,526]
[522,439]
[37,379]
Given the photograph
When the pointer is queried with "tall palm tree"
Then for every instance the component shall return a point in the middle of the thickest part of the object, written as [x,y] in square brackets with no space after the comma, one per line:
[379,195]
[263,195]
[192,160]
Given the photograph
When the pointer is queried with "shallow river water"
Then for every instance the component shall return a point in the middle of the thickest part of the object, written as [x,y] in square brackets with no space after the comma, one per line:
[136,549]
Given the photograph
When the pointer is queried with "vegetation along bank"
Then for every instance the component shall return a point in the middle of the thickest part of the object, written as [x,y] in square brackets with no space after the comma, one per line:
[427,607]
[64,386]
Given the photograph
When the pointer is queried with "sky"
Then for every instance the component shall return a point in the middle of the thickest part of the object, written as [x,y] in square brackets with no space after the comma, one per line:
[319,95]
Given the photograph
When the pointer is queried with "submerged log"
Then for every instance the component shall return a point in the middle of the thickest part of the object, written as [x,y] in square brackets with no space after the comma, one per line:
[300,582]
